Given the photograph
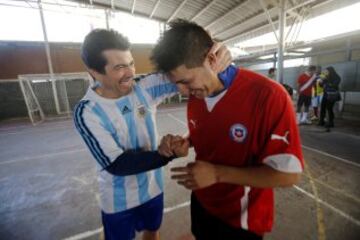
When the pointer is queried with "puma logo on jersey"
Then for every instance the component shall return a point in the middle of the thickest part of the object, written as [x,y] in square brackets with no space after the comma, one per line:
[283,138]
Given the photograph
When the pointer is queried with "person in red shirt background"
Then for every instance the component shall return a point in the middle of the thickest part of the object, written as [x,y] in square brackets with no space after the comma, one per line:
[244,133]
[305,84]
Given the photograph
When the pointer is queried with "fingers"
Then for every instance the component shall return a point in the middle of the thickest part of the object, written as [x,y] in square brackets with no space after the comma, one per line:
[165,146]
[176,140]
[185,176]
[182,177]
[171,145]
[222,52]
[215,47]
[188,184]
[180,169]
[224,58]
[180,146]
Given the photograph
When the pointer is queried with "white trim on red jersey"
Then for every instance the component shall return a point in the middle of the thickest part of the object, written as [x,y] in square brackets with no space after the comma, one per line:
[284,162]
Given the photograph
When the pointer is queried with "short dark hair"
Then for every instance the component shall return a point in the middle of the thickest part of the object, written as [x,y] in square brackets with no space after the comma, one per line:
[184,42]
[312,68]
[97,41]
[271,70]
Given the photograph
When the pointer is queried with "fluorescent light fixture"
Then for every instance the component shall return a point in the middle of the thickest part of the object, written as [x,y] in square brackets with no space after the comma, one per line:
[266,57]
[308,49]
[40,81]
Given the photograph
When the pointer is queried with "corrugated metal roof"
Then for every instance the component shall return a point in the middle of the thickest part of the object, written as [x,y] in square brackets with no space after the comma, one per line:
[228,20]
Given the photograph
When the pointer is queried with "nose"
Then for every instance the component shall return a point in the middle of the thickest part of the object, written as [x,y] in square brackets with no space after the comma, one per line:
[130,71]
[183,90]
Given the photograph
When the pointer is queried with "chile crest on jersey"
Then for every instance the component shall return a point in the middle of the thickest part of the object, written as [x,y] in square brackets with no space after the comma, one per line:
[238,133]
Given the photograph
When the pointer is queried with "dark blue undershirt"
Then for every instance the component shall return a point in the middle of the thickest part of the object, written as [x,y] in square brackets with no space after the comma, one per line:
[227,77]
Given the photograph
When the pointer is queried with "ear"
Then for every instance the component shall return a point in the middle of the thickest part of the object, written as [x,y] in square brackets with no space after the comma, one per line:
[212,60]
[95,74]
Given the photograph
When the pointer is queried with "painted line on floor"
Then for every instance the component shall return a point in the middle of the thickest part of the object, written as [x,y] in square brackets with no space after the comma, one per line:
[22,125]
[44,156]
[171,109]
[332,156]
[321,234]
[99,230]
[181,205]
[38,130]
[185,204]
[331,207]
[85,234]
[335,190]
[176,119]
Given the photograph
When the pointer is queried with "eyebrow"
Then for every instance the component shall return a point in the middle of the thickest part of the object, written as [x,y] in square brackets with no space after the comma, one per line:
[180,81]
[124,65]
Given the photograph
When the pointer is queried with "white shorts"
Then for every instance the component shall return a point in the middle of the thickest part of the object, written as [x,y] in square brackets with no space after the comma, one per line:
[316,101]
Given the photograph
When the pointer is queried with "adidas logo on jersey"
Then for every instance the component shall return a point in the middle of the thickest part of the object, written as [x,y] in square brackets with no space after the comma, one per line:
[125,110]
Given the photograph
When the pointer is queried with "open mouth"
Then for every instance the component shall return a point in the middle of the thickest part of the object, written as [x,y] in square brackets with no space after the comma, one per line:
[126,80]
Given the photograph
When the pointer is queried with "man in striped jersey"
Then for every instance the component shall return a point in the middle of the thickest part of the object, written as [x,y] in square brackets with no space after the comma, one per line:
[116,120]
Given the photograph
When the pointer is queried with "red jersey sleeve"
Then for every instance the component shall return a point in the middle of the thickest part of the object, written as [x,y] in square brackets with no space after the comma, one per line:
[299,79]
[282,147]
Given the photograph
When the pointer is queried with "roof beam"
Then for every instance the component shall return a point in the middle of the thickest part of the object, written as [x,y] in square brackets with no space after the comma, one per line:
[240,5]
[28,3]
[300,5]
[154,8]
[269,18]
[203,10]
[177,10]
[133,7]
[264,26]
[249,32]
[294,14]
[117,7]
[255,18]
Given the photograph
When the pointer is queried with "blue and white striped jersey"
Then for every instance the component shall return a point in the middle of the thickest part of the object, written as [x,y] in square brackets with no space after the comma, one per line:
[111,126]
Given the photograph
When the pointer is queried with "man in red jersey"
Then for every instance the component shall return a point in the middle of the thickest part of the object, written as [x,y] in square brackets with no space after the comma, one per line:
[243,129]
[305,83]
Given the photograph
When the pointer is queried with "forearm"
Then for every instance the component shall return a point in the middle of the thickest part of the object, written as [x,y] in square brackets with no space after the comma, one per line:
[133,162]
[261,177]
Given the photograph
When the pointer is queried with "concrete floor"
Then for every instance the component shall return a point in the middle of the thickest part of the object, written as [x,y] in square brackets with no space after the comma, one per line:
[49,188]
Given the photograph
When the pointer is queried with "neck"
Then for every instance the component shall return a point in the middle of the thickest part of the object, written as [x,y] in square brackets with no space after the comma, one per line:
[218,87]
[107,93]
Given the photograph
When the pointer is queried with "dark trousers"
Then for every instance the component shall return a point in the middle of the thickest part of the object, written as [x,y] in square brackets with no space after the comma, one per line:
[327,106]
[303,100]
[205,226]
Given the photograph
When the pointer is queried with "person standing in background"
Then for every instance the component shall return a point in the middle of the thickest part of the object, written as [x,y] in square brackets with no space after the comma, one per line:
[305,83]
[330,82]
[317,93]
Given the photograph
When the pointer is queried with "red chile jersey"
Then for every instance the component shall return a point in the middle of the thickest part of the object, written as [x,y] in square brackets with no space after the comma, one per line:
[251,124]
[302,81]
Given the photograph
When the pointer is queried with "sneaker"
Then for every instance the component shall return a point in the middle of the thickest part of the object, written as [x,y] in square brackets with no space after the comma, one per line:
[306,122]
[314,118]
